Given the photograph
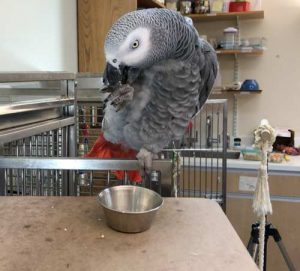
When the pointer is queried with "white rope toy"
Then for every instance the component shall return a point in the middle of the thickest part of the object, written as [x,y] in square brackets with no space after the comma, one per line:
[264,139]
[176,172]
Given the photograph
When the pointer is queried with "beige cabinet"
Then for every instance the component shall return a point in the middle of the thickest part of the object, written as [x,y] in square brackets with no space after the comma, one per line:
[285,193]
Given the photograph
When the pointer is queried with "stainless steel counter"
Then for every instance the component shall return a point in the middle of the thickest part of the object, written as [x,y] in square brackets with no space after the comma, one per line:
[67,233]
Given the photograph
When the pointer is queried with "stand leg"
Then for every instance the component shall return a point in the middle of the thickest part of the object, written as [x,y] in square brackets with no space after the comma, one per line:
[277,238]
[253,245]
[285,255]
[252,248]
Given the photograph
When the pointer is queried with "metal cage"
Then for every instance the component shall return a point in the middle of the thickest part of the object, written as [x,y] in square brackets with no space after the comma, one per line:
[54,120]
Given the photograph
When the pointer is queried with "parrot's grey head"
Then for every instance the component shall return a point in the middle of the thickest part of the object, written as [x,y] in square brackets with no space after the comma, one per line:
[141,38]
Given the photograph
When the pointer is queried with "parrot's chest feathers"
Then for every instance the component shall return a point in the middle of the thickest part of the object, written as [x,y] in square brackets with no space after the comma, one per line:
[163,101]
[168,90]
[137,105]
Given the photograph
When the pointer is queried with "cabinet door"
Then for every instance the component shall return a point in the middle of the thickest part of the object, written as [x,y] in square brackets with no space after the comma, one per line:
[94,20]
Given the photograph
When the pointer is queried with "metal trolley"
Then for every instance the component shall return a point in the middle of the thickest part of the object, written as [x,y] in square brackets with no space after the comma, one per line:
[48,121]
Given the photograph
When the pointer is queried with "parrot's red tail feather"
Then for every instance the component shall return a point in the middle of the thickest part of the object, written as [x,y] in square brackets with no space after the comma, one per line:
[106,150]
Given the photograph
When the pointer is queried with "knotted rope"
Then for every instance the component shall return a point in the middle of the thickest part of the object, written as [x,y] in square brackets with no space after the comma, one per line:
[264,139]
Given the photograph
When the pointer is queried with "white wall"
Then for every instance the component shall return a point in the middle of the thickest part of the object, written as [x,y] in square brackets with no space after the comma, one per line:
[277,70]
[38,35]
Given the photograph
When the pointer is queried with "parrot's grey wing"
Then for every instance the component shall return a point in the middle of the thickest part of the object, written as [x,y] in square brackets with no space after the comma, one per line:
[208,72]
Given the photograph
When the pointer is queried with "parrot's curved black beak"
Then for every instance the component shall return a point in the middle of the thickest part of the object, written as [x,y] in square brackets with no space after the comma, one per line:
[111,75]
[115,75]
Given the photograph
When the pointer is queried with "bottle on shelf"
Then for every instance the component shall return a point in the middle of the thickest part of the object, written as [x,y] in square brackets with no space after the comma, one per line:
[172,4]
[185,7]
[201,6]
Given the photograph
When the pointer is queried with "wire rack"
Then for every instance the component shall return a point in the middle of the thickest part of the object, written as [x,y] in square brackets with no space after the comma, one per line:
[201,157]
[36,182]
[44,155]
[36,120]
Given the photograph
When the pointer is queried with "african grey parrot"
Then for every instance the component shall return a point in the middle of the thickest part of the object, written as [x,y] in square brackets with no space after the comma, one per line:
[160,73]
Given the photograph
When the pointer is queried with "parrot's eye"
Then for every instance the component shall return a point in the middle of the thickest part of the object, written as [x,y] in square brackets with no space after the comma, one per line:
[135,44]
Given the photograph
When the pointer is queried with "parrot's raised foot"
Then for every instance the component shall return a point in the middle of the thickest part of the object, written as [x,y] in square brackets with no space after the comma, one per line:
[120,96]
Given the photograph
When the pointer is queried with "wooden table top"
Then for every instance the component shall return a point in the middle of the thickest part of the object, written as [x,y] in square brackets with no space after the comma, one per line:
[70,233]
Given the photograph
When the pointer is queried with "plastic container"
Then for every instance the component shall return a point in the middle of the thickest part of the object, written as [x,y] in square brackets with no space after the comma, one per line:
[252,154]
[230,35]
[250,85]
[256,5]
[237,142]
[276,157]
[226,5]
[239,6]
[185,7]
[171,4]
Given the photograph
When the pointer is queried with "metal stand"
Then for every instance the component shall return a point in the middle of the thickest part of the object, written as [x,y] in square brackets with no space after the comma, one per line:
[270,230]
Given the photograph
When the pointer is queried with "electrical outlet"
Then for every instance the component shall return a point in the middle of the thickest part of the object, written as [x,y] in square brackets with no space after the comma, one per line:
[247,183]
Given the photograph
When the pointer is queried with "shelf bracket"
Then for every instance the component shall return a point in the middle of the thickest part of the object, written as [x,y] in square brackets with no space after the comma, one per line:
[236,69]
[235,116]
[236,79]
[238,37]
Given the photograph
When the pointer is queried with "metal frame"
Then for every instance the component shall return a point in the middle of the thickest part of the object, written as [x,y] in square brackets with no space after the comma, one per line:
[42,123]
[211,160]
[75,166]
[63,163]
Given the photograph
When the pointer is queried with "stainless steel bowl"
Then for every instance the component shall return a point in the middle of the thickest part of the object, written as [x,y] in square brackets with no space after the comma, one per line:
[129,208]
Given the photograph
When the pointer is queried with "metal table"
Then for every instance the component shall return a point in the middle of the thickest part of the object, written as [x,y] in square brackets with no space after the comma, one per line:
[69,233]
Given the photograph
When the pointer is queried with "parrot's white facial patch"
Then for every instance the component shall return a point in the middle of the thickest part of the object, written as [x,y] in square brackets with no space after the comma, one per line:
[134,49]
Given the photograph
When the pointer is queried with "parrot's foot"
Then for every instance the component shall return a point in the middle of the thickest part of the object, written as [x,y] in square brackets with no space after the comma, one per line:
[110,88]
[120,96]
[145,159]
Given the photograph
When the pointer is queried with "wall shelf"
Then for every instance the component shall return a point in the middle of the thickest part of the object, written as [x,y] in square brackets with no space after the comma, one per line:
[149,4]
[239,51]
[235,17]
[235,92]
[228,16]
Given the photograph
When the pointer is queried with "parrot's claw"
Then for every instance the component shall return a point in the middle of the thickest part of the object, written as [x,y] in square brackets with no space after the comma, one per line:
[145,159]
[108,89]
[120,96]
[120,106]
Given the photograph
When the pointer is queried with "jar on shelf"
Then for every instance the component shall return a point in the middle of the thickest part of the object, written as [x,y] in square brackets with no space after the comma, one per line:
[255,4]
[171,4]
[185,7]
[201,6]
[197,6]
[230,38]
